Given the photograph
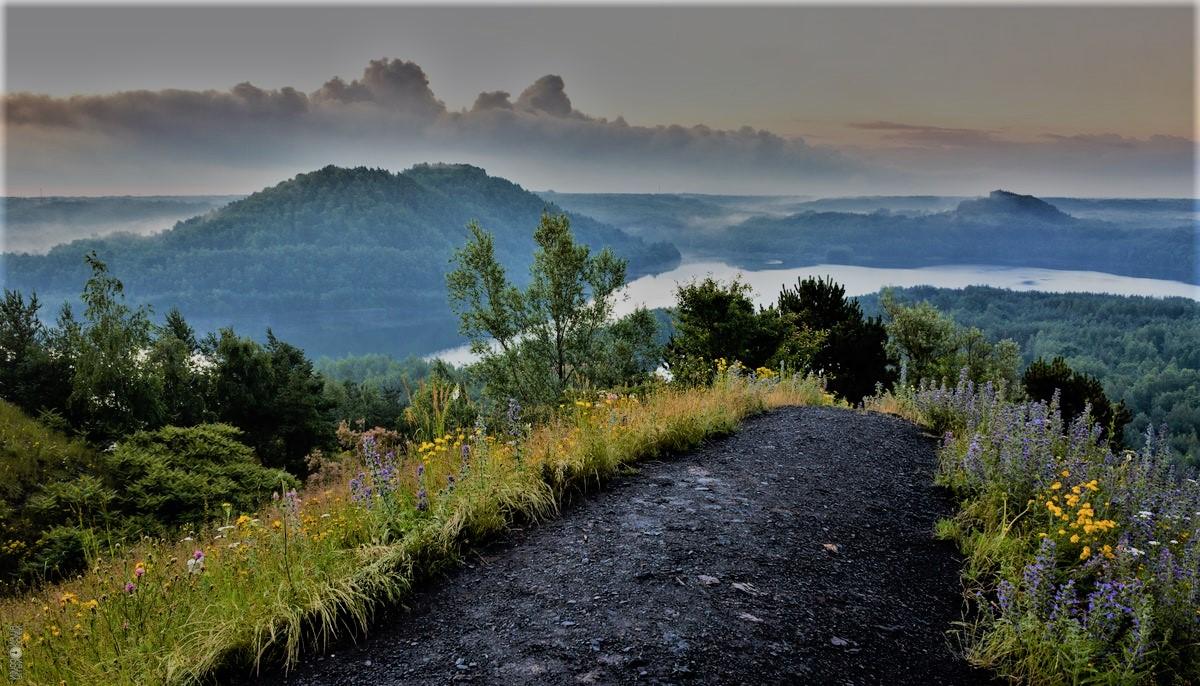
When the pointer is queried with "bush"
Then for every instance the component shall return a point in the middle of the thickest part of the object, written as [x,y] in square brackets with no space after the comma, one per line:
[59,500]
[176,476]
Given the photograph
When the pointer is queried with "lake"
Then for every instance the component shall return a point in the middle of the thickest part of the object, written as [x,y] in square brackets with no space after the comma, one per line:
[659,290]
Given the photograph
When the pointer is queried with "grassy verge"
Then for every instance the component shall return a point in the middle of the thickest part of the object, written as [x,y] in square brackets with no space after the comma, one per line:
[316,564]
[1083,565]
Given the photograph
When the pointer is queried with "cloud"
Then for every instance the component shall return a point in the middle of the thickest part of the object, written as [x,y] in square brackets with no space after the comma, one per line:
[202,141]
[492,100]
[547,95]
[390,115]
[927,135]
[394,84]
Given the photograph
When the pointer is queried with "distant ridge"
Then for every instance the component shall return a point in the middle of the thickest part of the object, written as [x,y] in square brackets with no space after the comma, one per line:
[1001,205]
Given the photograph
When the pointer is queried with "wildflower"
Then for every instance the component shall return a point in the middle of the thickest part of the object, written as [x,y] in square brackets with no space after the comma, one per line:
[1066,473]
[130,587]
[1085,553]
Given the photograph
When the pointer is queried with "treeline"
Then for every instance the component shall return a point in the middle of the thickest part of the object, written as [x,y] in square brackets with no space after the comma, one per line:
[1144,351]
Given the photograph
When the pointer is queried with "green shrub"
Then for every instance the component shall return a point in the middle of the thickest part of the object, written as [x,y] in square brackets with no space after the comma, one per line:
[175,476]
[60,501]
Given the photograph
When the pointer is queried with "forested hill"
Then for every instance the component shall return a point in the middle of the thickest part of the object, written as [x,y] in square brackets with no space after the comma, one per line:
[337,260]
[1002,229]
[1133,237]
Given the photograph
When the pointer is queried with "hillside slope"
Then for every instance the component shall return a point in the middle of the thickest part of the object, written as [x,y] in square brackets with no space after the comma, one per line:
[336,260]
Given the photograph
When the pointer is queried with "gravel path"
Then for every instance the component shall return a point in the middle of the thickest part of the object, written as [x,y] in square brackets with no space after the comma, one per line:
[797,551]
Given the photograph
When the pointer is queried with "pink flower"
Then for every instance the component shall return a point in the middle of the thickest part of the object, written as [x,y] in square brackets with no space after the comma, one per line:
[198,555]
[130,587]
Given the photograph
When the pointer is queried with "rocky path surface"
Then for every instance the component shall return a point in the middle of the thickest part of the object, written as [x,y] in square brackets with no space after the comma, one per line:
[798,551]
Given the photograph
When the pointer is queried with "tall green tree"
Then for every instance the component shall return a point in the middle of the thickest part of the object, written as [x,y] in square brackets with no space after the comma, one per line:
[31,375]
[536,344]
[273,395]
[176,359]
[113,390]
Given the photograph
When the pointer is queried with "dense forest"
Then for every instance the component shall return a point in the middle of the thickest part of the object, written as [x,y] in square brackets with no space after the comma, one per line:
[326,253]
[1145,351]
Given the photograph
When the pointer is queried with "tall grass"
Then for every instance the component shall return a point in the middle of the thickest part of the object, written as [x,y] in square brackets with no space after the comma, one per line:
[1083,565]
[315,565]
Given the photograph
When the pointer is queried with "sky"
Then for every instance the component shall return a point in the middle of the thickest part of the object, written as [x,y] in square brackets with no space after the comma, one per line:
[805,100]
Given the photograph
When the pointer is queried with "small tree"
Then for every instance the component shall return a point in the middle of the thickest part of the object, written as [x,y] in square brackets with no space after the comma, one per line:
[714,321]
[536,344]
[850,349]
[922,338]
[1077,391]
[936,348]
